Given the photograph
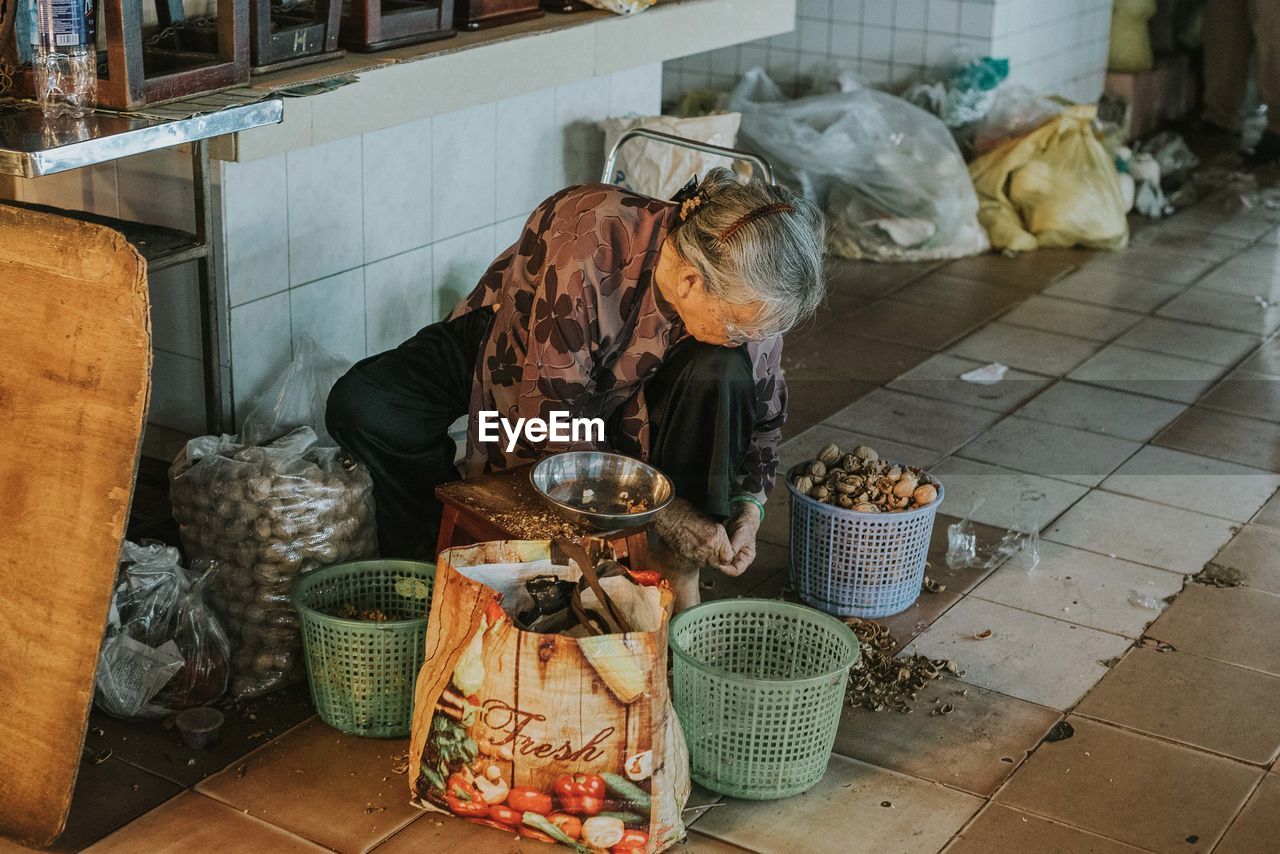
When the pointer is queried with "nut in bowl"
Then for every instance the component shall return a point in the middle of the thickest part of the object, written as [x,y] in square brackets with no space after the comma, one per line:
[610,492]
[863,482]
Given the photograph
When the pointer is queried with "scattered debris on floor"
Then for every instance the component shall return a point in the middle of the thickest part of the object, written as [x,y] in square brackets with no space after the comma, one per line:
[1217,575]
[931,586]
[1061,732]
[985,375]
[879,681]
[982,635]
[1148,642]
[1017,548]
[1145,600]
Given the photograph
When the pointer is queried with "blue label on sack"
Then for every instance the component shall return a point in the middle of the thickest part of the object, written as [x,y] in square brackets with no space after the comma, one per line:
[63,23]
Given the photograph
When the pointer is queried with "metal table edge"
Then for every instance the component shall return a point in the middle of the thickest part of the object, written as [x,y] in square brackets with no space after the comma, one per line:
[151,137]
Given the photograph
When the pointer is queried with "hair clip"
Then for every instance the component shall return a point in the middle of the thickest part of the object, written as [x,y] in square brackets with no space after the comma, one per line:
[690,205]
[690,197]
[748,218]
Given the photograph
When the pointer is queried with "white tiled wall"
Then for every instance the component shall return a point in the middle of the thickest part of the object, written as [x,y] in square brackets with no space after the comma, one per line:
[1053,46]
[357,242]
[1057,48]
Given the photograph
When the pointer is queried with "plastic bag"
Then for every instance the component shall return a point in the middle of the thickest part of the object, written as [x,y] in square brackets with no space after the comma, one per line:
[1015,112]
[888,173]
[164,649]
[966,93]
[962,544]
[297,398]
[1177,163]
[971,90]
[659,170]
[1017,548]
[259,516]
[621,7]
[1149,198]
[1053,187]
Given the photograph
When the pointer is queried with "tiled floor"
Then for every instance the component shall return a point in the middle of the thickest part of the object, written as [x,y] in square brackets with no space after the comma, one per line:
[1138,431]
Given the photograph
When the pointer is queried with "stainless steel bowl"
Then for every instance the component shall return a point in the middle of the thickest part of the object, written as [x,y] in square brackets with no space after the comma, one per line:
[594,487]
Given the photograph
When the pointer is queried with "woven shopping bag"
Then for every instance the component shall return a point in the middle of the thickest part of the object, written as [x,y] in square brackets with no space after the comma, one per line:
[565,739]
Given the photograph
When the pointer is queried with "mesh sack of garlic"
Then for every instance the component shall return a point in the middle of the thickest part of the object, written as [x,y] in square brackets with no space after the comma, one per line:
[861,481]
[256,516]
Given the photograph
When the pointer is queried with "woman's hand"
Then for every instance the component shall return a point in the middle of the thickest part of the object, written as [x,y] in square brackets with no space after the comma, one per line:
[694,536]
[742,528]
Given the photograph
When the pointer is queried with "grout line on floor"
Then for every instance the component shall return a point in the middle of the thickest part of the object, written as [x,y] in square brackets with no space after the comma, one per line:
[1234,522]
[1113,556]
[1260,766]
[973,593]
[1236,817]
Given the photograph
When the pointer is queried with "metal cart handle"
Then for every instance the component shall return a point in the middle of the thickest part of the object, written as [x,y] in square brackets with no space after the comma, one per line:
[766,171]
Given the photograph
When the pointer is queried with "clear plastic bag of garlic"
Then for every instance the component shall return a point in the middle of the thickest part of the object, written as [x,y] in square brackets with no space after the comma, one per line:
[860,480]
[257,516]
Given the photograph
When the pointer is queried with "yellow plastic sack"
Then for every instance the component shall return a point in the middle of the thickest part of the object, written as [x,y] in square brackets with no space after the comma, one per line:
[1056,186]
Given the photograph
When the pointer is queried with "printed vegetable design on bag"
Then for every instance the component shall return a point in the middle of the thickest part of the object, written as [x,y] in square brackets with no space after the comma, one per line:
[561,739]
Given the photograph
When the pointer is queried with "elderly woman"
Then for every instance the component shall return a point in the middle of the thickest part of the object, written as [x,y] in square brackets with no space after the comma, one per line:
[663,319]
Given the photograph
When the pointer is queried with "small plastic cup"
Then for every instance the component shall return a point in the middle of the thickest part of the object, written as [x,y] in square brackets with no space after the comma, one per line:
[199,727]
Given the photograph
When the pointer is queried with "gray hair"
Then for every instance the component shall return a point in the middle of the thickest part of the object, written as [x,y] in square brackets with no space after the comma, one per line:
[744,257]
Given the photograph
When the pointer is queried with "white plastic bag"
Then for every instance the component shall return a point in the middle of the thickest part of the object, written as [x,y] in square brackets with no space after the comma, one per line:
[659,170]
[889,174]
[1015,112]
[297,398]
[621,7]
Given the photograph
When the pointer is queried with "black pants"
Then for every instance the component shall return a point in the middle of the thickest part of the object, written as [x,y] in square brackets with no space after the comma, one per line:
[392,411]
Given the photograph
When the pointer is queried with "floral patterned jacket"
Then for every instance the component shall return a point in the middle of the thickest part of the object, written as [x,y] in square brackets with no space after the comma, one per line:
[578,327]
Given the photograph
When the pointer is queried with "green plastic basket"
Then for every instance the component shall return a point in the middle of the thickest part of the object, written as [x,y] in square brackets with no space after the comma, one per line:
[362,673]
[759,685]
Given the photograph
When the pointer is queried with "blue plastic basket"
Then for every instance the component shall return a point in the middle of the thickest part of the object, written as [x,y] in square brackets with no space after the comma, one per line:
[855,564]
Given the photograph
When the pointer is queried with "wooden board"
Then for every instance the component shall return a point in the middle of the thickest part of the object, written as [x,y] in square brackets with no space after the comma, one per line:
[76,355]
[509,504]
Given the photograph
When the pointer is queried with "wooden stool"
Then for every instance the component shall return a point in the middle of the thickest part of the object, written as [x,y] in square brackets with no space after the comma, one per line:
[505,506]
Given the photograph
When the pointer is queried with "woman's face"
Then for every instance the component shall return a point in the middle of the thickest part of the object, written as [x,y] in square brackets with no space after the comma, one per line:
[707,318]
